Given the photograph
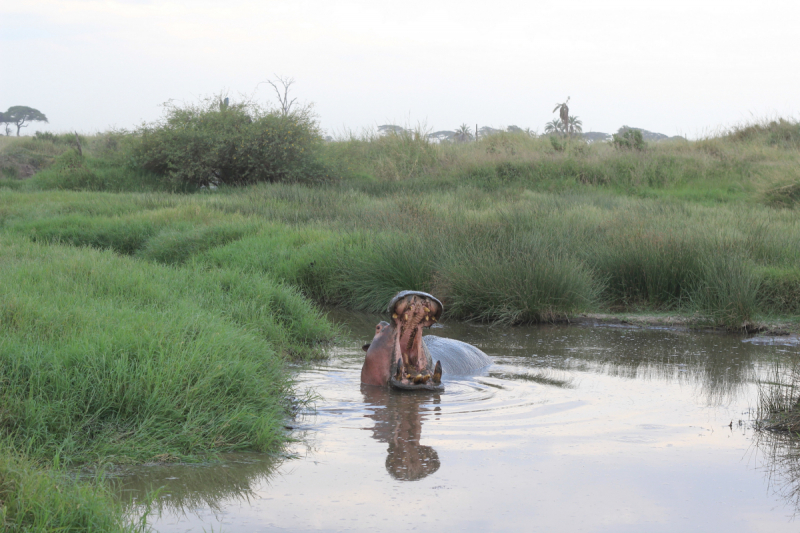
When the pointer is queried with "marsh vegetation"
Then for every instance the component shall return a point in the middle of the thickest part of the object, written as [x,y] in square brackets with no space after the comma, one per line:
[156,283]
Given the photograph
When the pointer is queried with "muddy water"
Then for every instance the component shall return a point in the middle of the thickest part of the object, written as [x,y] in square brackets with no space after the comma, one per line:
[572,429]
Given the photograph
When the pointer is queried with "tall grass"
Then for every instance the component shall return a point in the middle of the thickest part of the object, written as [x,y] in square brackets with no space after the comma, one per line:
[733,166]
[108,358]
[779,397]
[35,499]
[351,246]
[516,279]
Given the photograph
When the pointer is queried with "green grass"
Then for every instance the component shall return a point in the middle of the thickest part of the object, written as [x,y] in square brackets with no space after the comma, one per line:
[37,499]
[109,358]
[740,165]
[511,255]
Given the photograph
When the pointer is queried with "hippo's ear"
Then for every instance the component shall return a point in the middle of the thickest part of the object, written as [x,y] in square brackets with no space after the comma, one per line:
[365,347]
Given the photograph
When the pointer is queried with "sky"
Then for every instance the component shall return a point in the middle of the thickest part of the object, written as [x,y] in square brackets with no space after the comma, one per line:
[679,68]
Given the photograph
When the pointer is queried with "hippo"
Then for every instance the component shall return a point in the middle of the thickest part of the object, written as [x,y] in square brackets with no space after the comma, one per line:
[399,356]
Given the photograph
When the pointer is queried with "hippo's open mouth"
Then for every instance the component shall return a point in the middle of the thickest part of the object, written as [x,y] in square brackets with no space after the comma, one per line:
[412,367]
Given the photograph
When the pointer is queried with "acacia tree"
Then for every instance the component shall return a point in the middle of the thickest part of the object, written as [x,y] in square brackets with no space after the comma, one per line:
[284,103]
[20,115]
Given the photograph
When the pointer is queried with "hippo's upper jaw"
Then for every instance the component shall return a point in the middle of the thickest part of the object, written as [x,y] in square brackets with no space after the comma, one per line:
[412,367]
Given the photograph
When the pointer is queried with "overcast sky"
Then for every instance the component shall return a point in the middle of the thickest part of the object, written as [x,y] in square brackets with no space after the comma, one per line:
[674,67]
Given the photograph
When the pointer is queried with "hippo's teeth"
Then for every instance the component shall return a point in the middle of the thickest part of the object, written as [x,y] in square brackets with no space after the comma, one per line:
[427,310]
[394,315]
[437,373]
[405,316]
[419,378]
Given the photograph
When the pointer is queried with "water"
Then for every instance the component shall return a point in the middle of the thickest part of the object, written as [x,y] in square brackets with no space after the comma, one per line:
[572,429]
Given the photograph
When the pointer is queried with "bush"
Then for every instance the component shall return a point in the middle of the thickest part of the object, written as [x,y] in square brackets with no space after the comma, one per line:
[628,139]
[237,144]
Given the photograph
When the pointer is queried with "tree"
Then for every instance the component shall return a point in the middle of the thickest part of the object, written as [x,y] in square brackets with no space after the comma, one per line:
[284,104]
[575,125]
[563,112]
[5,123]
[20,115]
[554,126]
[463,133]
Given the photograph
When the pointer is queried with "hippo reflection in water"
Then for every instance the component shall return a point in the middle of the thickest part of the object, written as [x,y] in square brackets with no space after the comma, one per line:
[400,356]
[398,423]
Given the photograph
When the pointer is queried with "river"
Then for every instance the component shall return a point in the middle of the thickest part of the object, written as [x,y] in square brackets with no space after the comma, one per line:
[573,428]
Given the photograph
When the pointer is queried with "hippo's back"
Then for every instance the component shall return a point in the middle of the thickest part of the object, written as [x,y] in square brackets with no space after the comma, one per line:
[458,358]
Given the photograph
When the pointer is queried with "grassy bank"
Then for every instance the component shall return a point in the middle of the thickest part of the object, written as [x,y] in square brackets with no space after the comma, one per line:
[108,358]
[111,359]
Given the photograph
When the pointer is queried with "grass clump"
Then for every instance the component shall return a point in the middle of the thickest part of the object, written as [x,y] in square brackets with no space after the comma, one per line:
[530,256]
[396,156]
[516,279]
[727,290]
[779,398]
[787,196]
[780,290]
[37,499]
[782,133]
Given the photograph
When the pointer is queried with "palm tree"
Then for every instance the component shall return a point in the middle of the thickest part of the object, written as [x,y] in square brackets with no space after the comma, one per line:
[563,111]
[463,133]
[554,126]
[575,125]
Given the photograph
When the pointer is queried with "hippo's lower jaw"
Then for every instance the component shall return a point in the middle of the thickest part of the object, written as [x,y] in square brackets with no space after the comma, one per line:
[429,386]
[412,367]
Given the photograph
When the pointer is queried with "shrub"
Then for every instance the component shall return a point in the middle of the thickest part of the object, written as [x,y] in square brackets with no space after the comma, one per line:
[237,144]
[628,139]
[557,144]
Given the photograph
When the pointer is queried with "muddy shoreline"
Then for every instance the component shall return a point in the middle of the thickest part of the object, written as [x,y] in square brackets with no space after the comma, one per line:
[773,328]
